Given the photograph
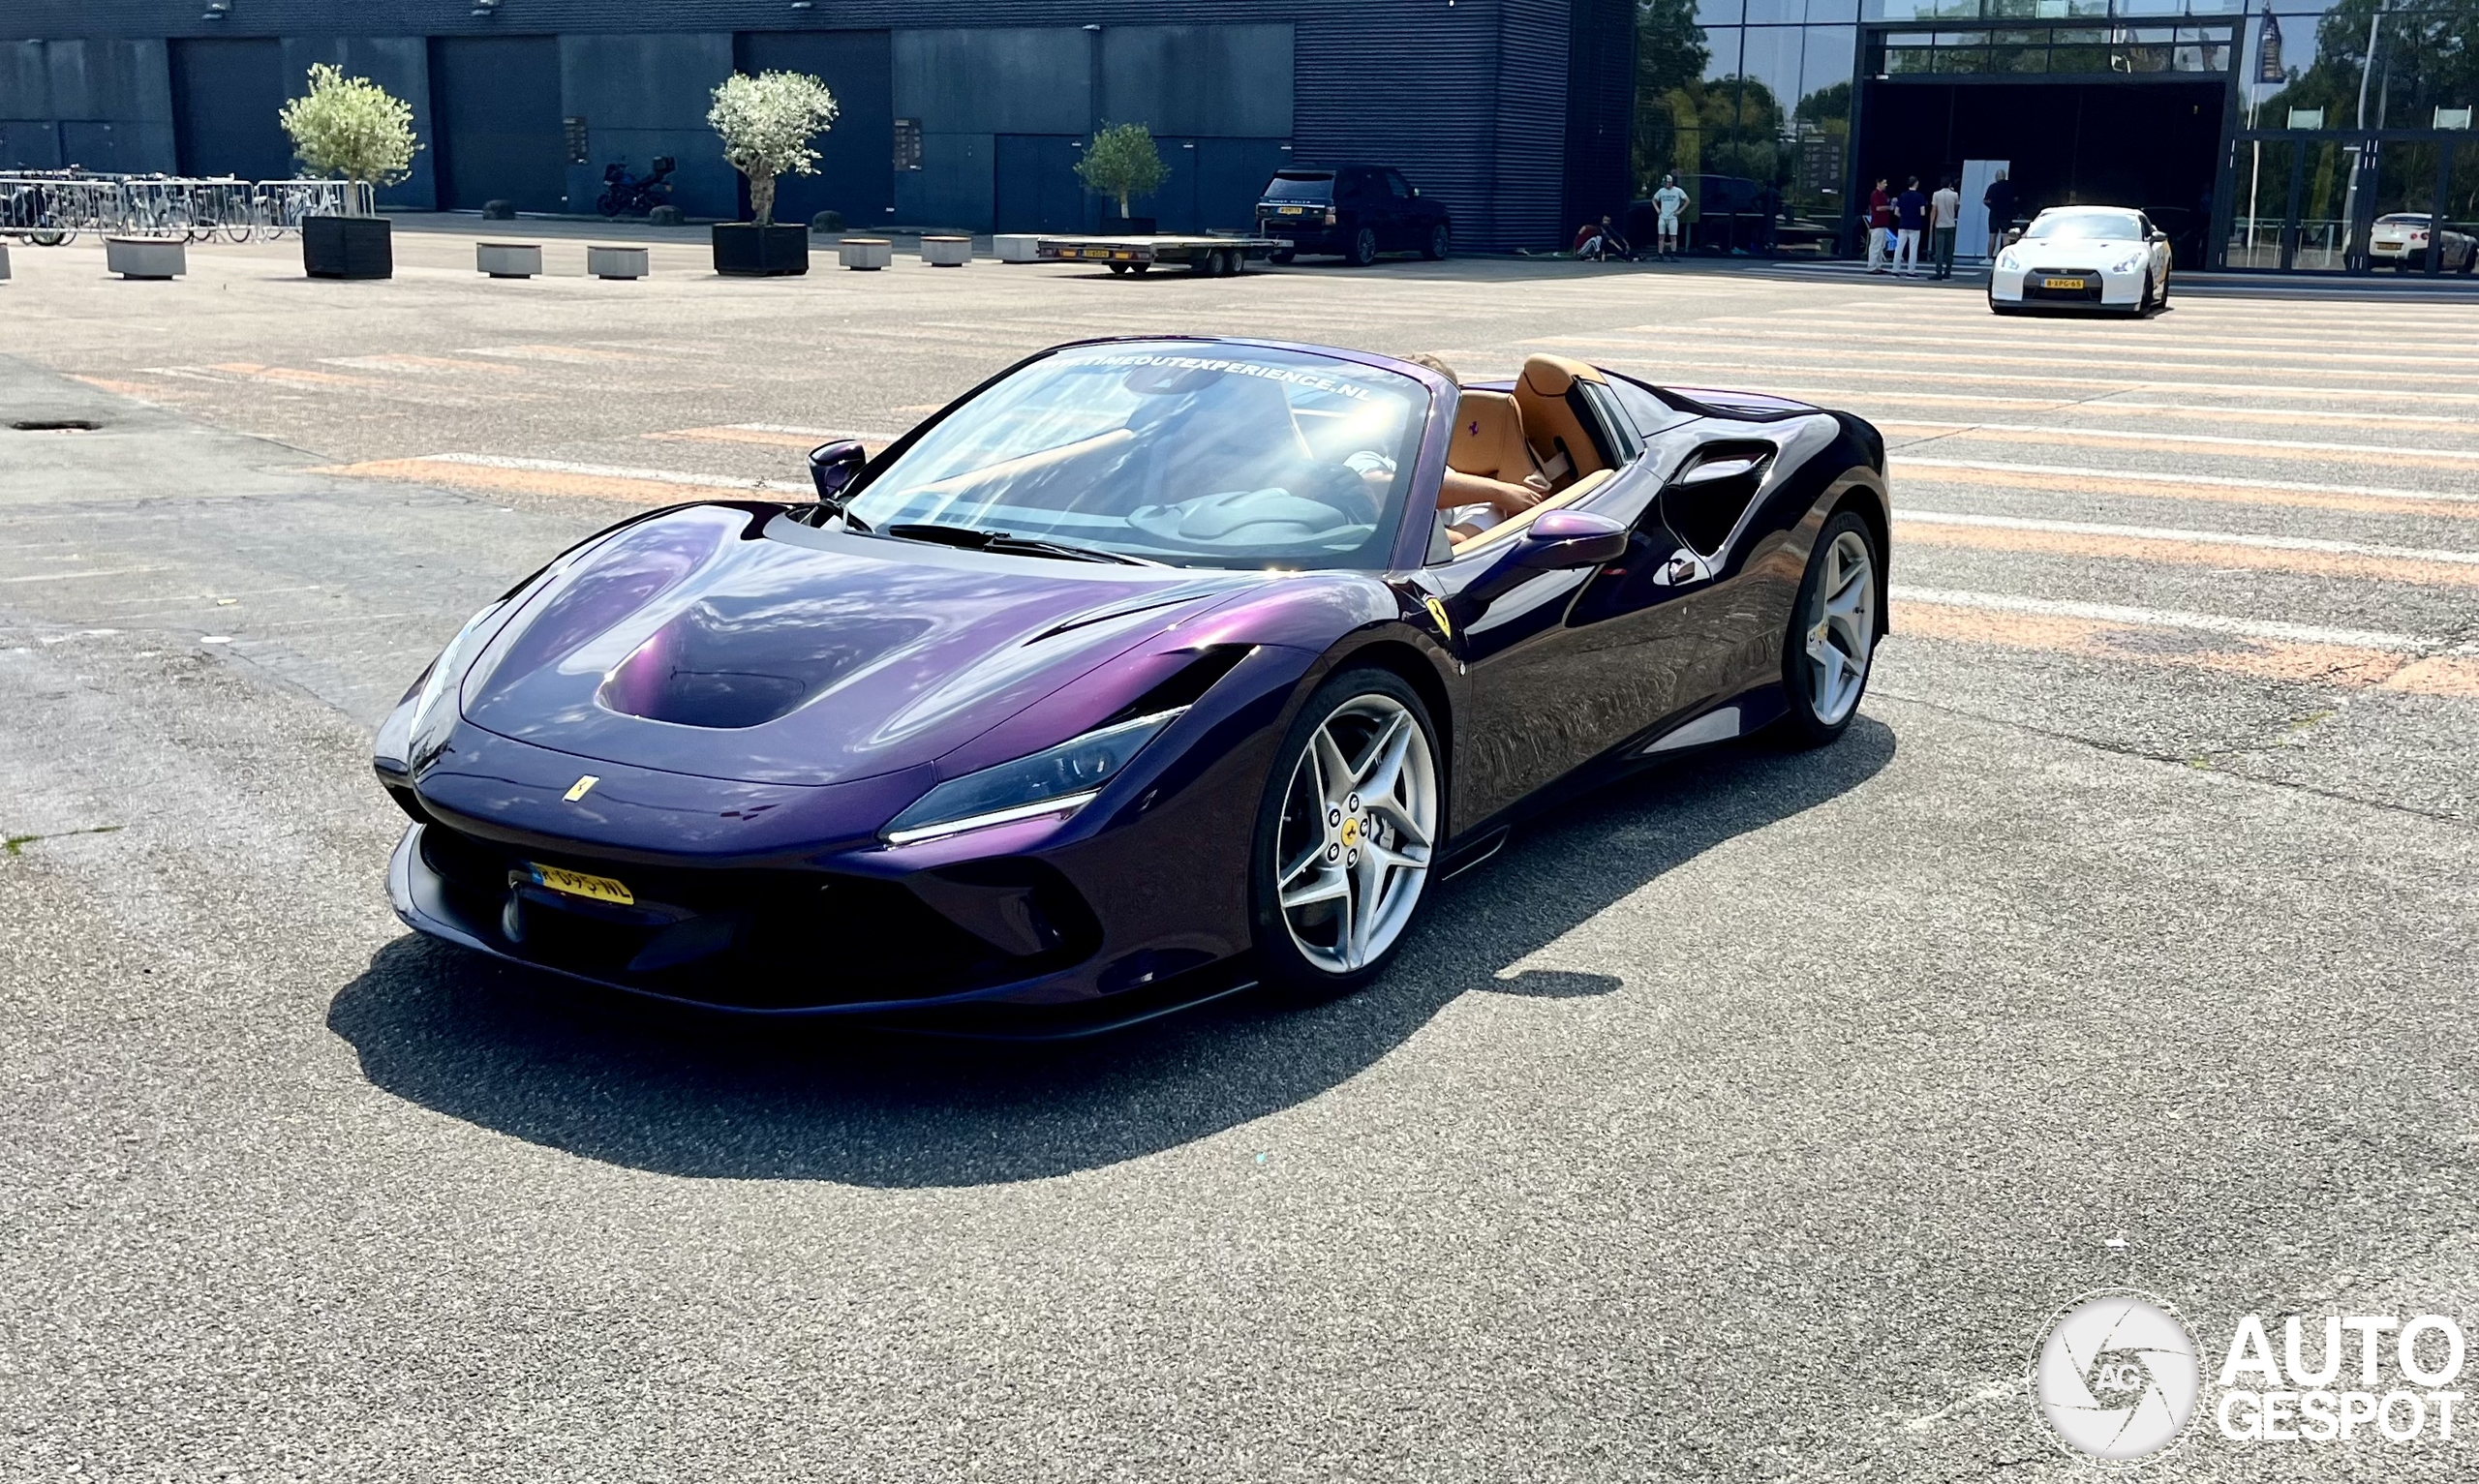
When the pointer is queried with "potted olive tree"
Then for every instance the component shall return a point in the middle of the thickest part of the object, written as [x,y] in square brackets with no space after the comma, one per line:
[353,128]
[1123,163]
[767,124]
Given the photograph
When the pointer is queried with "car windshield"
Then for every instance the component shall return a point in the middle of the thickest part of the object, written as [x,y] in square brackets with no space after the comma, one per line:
[1193,454]
[2099,225]
[1300,187]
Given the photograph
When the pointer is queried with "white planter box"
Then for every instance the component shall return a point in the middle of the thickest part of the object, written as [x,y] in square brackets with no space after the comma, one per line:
[946,252]
[146,256]
[1017,247]
[618,262]
[866,254]
[507,259]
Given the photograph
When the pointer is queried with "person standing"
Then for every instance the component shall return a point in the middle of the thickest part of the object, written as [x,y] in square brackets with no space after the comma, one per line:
[1670,202]
[1910,217]
[1944,216]
[1999,201]
[1881,226]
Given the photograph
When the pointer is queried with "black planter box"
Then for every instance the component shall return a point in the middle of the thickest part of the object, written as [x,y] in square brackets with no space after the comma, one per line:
[347,247]
[1128,227]
[745,249]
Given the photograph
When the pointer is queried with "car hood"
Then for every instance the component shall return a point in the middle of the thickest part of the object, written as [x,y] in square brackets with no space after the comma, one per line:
[2076,251]
[732,644]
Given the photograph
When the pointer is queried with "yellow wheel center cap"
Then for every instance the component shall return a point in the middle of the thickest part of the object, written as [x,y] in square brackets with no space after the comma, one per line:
[1351,831]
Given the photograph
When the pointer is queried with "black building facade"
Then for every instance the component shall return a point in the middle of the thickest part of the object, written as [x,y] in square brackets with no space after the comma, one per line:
[1513,112]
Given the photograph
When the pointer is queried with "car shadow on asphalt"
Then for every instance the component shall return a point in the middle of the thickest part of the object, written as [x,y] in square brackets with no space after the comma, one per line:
[527,1055]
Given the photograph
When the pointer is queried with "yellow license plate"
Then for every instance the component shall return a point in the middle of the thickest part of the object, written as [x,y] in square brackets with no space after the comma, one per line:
[2063,283]
[1097,252]
[602,888]
[1293,211]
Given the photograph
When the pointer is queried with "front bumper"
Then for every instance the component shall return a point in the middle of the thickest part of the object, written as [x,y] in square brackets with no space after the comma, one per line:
[1089,920]
[2101,287]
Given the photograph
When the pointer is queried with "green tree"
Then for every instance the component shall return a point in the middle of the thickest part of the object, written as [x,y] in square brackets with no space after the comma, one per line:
[768,124]
[351,127]
[1123,163]
[1671,58]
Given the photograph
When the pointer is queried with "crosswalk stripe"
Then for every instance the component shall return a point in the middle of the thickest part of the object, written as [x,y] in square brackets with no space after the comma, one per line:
[2164,618]
[2054,471]
[2168,534]
[2264,447]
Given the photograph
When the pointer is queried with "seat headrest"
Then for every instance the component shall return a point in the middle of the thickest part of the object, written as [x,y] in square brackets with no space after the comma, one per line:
[1488,433]
[1550,375]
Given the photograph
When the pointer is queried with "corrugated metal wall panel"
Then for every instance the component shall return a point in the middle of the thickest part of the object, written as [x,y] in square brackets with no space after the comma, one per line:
[1470,100]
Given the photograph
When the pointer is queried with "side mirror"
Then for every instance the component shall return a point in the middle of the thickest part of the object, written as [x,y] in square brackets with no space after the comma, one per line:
[1563,540]
[833,466]
[2013,234]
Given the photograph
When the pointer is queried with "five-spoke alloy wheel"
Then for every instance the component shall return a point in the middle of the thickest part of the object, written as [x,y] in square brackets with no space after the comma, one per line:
[1351,816]
[1835,634]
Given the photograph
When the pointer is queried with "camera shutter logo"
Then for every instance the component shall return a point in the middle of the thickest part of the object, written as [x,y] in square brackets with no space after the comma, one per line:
[2116,1376]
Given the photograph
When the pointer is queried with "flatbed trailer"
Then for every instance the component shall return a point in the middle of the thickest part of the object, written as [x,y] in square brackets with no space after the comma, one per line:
[1208,257]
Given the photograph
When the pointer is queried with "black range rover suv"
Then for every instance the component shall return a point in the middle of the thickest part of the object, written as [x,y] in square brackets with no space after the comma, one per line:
[1355,210]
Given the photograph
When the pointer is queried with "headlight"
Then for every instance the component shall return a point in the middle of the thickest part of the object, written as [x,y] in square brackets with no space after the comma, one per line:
[2005,259]
[435,713]
[1059,781]
[2126,264]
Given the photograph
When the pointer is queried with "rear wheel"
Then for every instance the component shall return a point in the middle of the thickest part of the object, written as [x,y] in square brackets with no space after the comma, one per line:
[1438,243]
[1345,835]
[1833,634]
[1118,268]
[1364,247]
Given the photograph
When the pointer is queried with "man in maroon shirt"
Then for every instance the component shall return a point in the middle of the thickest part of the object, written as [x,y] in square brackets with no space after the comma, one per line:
[1880,227]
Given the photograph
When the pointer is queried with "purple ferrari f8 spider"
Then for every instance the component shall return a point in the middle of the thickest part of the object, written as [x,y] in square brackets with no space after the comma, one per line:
[1146,670]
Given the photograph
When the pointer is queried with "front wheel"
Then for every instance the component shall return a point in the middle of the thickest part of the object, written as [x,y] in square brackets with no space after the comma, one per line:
[1438,243]
[1345,835]
[607,203]
[1364,247]
[1833,632]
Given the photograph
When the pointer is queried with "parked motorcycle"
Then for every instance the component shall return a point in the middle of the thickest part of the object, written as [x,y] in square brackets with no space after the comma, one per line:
[627,194]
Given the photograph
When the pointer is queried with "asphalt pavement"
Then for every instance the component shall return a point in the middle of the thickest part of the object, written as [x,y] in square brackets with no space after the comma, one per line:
[1743,1122]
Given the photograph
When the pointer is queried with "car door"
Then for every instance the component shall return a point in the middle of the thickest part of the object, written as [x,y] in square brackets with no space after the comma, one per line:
[1403,209]
[1550,683]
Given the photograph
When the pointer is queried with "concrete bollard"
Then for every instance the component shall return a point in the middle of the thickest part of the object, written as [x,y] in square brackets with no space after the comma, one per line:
[865,255]
[946,252]
[147,258]
[4,262]
[618,262]
[507,259]
[1017,247]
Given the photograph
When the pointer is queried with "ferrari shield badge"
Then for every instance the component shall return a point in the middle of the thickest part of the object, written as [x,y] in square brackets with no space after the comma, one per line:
[1437,611]
[579,789]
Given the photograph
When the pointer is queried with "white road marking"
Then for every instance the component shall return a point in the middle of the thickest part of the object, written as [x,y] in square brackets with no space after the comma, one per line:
[864,434]
[601,470]
[70,576]
[2217,481]
[2205,439]
[2168,534]
[2164,618]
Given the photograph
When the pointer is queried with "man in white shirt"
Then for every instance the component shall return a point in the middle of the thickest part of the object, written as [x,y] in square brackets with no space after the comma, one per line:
[1946,213]
[1669,200]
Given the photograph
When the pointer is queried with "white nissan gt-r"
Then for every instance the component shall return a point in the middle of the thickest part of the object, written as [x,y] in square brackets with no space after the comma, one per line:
[2095,256]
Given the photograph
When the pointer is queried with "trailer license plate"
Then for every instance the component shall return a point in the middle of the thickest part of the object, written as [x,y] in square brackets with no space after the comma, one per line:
[2063,283]
[1097,252]
[602,888]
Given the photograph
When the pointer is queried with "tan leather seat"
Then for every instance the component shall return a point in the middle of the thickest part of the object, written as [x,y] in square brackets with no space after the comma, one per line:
[1553,423]
[1487,461]
[1488,437]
